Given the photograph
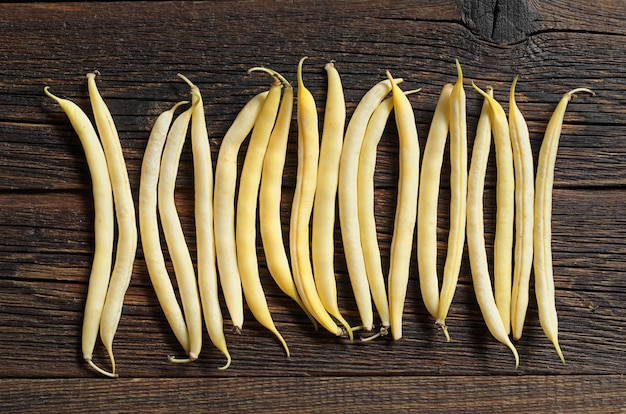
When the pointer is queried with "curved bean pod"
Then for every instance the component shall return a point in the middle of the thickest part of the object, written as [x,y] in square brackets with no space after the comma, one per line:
[149,227]
[348,199]
[224,207]
[302,206]
[270,194]
[203,213]
[125,213]
[524,216]
[104,223]
[174,236]
[542,236]
[458,199]
[427,202]
[505,211]
[323,223]
[476,231]
[245,228]
[406,207]
[365,194]
[365,191]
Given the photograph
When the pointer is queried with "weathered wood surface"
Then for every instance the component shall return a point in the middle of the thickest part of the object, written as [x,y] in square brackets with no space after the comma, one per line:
[46,212]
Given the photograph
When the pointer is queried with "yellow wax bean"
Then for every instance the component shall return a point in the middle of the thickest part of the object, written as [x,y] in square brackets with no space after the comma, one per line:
[365,193]
[348,198]
[224,207]
[125,214]
[270,194]
[524,215]
[505,210]
[542,236]
[323,222]
[458,199]
[245,228]
[302,206]
[203,213]
[476,231]
[174,236]
[406,207]
[104,223]
[149,227]
[430,178]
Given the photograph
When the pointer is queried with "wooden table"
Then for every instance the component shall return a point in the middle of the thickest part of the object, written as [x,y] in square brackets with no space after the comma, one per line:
[46,211]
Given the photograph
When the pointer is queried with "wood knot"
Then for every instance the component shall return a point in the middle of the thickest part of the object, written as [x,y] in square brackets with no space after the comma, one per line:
[501,21]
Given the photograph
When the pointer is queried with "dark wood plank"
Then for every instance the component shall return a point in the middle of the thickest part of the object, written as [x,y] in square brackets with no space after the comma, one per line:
[529,394]
[46,213]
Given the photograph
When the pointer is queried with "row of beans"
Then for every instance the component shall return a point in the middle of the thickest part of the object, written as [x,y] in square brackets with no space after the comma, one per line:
[335,168]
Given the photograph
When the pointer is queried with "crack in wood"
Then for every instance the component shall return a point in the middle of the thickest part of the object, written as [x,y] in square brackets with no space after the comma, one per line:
[496,17]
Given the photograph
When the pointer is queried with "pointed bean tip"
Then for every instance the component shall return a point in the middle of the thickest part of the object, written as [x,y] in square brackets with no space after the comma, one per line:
[299,72]
[260,69]
[412,91]
[100,370]
[458,69]
[578,90]
[284,344]
[46,90]
[558,351]
[186,79]
[228,362]
[388,74]
[278,78]
[514,83]
[179,104]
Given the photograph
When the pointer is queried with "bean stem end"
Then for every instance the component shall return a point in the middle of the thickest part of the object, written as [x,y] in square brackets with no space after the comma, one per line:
[190,358]
[441,324]
[384,331]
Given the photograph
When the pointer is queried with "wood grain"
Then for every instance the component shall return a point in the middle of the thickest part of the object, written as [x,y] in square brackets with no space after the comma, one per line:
[528,394]
[46,207]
